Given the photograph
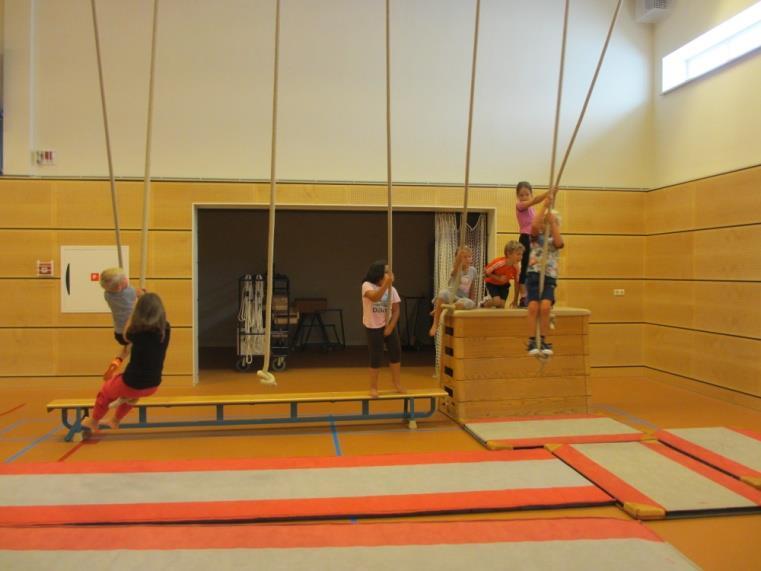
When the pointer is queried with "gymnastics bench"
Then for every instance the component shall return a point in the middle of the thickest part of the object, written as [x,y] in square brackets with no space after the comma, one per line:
[74,410]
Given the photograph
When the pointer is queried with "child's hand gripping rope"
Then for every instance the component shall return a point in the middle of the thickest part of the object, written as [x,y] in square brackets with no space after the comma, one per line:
[113,368]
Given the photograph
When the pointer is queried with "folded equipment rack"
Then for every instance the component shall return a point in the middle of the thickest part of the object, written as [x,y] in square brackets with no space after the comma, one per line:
[250,330]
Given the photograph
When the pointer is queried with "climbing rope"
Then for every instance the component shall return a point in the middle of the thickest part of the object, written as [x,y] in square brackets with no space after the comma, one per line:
[455,281]
[148,135]
[555,181]
[265,376]
[114,199]
[389,183]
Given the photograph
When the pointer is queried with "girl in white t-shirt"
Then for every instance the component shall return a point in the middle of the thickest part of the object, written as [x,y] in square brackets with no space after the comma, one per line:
[376,288]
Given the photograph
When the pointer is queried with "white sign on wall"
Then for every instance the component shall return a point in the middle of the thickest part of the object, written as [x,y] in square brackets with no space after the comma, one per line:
[80,276]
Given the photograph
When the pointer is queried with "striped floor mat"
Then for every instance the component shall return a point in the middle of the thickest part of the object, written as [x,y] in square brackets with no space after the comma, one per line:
[734,451]
[531,432]
[286,488]
[652,481]
[570,544]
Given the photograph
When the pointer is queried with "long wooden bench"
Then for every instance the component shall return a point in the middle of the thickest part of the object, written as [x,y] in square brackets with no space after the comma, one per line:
[74,410]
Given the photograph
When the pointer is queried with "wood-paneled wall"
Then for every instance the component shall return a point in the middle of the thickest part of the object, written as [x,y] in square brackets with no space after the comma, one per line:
[688,258]
[604,230]
[703,284]
[604,233]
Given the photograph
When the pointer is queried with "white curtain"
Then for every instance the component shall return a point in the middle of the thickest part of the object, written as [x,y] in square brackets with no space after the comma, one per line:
[447,240]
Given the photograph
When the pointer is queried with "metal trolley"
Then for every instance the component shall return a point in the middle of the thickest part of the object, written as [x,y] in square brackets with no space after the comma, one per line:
[250,329]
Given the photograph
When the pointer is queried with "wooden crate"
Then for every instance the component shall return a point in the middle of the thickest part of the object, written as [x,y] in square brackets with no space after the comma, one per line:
[487,373]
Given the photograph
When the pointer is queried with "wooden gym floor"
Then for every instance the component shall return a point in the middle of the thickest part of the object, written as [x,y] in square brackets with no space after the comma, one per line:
[29,434]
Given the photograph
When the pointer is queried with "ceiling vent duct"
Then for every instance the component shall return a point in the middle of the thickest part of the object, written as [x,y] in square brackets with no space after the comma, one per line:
[651,11]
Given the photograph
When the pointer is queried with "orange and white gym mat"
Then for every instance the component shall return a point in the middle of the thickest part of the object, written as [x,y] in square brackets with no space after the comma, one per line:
[571,544]
[537,431]
[284,488]
[732,450]
[652,481]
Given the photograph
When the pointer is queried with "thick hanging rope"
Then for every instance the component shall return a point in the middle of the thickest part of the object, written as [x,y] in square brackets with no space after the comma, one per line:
[555,181]
[454,284]
[552,190]
[114,201]
[464,219]
[466,186]
[613,21]
[265,376]
[389,183]
[148,133]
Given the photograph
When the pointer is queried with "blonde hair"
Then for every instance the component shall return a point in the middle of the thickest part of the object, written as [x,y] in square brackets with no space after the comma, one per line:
[148,315]
[513,246]
[111,278]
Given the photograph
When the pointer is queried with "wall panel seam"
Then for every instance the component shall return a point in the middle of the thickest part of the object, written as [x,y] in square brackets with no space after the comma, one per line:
[706,331]
[716,175]
[2,377]
[723,387]
[704,229]
[79,327]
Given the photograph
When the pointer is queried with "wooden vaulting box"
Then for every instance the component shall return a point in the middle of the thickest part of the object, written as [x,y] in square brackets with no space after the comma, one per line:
[486,371]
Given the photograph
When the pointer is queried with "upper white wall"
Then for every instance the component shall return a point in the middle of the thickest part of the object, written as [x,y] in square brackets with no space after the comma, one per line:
[710,125]
[214,90]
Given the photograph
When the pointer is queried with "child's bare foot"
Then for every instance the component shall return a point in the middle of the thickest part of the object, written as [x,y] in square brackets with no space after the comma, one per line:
[400,389]
[459,305]
[113,423]
[89,424]
[373,393]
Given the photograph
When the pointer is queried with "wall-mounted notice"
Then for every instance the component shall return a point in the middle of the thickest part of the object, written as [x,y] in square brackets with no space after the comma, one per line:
[80,276]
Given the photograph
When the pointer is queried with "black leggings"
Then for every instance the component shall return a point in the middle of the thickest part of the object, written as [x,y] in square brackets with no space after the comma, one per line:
[524,239]
[375,340]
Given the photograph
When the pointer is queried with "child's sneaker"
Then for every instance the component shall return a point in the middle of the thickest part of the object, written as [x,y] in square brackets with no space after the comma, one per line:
[546,348]
[533,347]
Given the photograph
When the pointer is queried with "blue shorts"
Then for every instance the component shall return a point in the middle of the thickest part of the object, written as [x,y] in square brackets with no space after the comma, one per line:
[498,290]
[532,287]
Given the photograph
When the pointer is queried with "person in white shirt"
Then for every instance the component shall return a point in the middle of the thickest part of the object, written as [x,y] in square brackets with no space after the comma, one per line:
[379,326]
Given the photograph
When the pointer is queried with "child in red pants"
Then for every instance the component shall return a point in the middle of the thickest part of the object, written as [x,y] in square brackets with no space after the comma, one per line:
[148,331]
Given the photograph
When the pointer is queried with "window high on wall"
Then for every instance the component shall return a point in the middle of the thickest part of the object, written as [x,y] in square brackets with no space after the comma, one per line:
[726,42]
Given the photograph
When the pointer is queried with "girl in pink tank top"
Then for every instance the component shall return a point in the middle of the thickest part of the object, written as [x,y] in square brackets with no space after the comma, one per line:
[524,212]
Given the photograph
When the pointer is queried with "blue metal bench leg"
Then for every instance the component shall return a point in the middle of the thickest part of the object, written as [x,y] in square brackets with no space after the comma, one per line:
[74,428]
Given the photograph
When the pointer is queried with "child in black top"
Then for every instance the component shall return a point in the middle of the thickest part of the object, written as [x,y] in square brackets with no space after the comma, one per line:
[148,331]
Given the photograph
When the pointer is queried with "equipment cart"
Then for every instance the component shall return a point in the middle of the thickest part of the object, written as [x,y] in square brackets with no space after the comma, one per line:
[250,330]
[282,320]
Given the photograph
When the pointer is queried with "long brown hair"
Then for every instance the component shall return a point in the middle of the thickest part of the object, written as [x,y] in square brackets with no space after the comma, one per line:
[148,315]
